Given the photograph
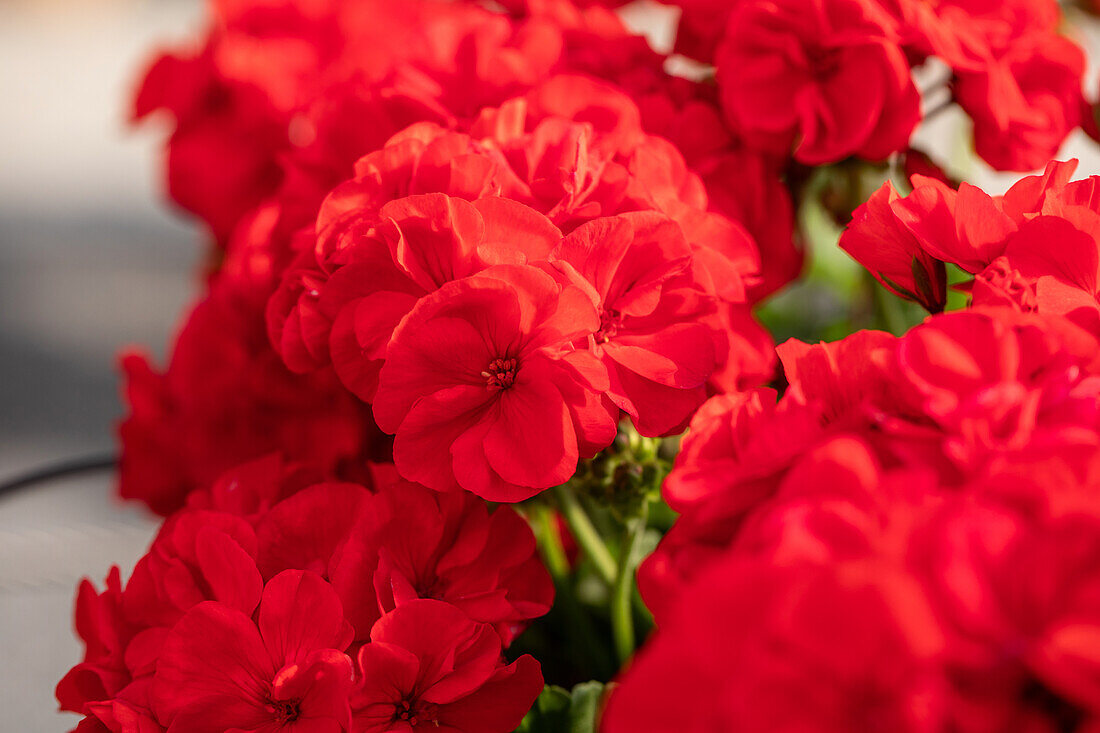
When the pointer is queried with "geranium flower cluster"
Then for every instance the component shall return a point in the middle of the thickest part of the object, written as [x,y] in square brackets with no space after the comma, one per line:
[909,539]
[826,79]
[1034,249]
[272,603]
[463,253]
[414,189]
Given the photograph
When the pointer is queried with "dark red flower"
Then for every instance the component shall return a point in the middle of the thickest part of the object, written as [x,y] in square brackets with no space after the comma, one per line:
[429,667]
[251,489]
[221,156]
[220,670]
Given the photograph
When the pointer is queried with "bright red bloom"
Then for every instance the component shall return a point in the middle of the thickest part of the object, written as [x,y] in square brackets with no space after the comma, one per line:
[408,542]
[879,241]
[102,625]
[1026,102]
[1021,603]
[482,388]
[429,667]
[226,398]
[220,670]
[652,338]
[854,644]
[354,234]
[728,437]
[451,548]
[827,79]
[197,556]
[420,243]
[1002,240]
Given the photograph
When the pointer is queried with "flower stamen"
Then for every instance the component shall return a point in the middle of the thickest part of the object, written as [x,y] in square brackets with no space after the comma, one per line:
[500,374]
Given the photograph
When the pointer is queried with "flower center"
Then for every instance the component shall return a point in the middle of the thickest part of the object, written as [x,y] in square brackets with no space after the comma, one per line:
[823,61]
[610,323]
[413,711]
[285,711]
[500,374]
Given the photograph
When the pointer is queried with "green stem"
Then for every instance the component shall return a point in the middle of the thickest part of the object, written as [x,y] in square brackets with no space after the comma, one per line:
[622,616]
[586,534]
[581,636]
[549,541]
[888,307]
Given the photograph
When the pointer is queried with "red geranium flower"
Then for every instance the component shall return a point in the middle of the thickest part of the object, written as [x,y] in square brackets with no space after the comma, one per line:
[420,243]
[879,241]
[428,667]
[483,390]
[286,671]
[226,398]
[854,644]
[652,338]
[197,556]
[101,624]
[408,542]
[826,78]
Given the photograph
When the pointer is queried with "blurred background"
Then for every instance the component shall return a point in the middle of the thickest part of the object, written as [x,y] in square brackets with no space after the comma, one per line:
[93,259]
[90,259]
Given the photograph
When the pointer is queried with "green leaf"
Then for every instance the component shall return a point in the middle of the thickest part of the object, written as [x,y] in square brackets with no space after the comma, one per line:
[549,714]
[558,711]
[585,707]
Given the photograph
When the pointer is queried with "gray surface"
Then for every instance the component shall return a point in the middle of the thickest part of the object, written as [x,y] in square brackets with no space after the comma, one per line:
[89,260]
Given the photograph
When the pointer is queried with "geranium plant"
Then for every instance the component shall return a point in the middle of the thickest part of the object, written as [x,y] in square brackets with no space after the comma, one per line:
[479,423]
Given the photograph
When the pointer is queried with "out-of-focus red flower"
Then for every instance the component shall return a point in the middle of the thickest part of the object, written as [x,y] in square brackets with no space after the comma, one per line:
[286,670]
[826,79]
[484,391]
[226,398]
[1025,103]
[745,186]
[956,400]
[1019,598]
[197,556]
[252,488]
[702,24]
[219,158]
[1008,386]
[429,667]
[102,626]
[856,644]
